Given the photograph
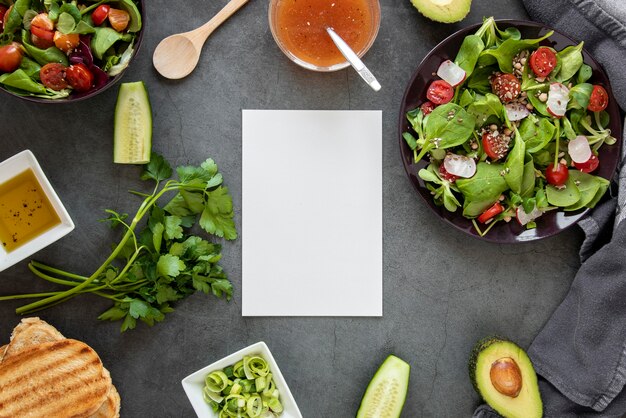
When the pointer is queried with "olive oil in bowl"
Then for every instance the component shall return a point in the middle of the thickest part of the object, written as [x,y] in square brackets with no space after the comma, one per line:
[25,211]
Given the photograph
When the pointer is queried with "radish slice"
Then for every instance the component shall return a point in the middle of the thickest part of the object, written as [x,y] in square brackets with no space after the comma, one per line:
[523,218]
[579,149]
[516,111]
[460,165]
[558,97]
[451,73]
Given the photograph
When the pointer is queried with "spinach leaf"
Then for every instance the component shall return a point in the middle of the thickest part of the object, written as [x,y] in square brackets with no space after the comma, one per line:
[563,197]
[588,185]
[66,23]
[467,98]
[72,10]
[580,93]
[539,106]
[506,51]
[536,135]
[104,39]
[43,56]
[568,130]
[604,185]
[483,189]
[469,52]
[483,108]
[20,80]
[449,125]
[479,81]
[584,74]
[514,165]
[570,60]
[442,195]
[30,67]
[13,20]
[528,178]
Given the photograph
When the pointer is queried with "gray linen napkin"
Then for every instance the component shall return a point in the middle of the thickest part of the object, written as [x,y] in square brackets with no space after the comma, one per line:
[580,355]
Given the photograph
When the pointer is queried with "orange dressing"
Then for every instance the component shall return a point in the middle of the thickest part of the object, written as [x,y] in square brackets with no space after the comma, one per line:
[25,211]
[301,27]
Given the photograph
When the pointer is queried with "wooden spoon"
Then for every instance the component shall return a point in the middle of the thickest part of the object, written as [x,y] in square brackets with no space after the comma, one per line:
[177,55]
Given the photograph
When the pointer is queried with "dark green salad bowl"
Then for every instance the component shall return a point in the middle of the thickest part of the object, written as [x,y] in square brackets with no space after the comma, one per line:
[552,222]
[84,55]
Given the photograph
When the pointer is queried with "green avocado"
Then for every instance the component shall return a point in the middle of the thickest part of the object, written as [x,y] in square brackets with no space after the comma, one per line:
[504,377]
[445,11]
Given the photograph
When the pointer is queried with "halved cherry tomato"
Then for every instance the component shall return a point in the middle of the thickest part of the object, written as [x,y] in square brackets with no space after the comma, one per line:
[494,145]
[3,11]
[440,92]
[506,86]
[427,107]
[10,58]
[42,27]
[66,42]
[557,176]
[494,210]
[599,99]
[52,75]
[118,19]
[100,14]
[588,166]
[79,77]
[543,61]
[444,174]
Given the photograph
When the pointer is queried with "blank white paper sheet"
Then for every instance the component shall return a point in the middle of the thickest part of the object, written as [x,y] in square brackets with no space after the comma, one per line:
[312,213]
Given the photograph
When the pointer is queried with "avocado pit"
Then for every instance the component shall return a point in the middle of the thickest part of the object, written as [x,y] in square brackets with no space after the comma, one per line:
[506,377]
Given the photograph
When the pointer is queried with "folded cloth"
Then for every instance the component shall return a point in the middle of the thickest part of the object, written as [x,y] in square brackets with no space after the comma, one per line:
[580,354]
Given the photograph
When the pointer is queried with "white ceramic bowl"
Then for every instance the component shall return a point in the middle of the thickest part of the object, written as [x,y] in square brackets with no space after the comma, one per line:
[194,383]
[9,169]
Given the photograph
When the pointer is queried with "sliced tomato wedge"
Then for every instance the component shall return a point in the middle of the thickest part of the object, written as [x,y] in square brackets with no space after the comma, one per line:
[494,145]
[100,14]
[440,92]
[494,210]
[444,174]
[599,99]
[79,77]
[52,75]
[590,165]
[427,107]
[506,86]
[543,61]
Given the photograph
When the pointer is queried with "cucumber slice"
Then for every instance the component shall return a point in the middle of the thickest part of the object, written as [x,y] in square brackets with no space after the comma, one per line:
[133,125]
[386,393]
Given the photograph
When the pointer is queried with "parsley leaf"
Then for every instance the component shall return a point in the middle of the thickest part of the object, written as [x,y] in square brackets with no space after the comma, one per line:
[217,217]
[157,169]
[170,265]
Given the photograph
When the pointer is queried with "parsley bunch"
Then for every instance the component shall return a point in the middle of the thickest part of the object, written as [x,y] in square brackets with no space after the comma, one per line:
[160,262]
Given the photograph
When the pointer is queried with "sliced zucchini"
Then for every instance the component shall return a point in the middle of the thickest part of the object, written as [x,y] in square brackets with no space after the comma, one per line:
[133,125]
[386,392]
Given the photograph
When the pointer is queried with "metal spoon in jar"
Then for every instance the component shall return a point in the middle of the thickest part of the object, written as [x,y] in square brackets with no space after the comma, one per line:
[354,60]
[177,55]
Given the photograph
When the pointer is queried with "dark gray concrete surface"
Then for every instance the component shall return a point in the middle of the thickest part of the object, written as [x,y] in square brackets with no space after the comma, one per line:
[442,290]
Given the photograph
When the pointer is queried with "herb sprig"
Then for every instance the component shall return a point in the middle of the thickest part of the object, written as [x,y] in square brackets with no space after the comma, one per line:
[157,261]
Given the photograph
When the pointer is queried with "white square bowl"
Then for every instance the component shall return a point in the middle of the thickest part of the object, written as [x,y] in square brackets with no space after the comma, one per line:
[194,383]
[9,169]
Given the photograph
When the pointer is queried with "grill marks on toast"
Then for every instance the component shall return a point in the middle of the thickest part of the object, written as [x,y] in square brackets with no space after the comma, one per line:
[64,378]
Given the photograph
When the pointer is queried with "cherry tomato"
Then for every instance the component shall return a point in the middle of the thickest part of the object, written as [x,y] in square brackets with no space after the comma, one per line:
[52,75]
[543,61]
[100,14]
[557,176]
[599,99]
[588,166]
[3,11]
[494,210]
[10,58]
[118,19]
[66,43]
[440,92]
[494,145]
[506,86]
[79,77]
[427,107]
[42,27]
[444,174]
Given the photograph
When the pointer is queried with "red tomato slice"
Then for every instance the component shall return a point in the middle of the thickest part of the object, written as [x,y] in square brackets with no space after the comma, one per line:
[440,92]
[494,210]
[588,166]
[427,107]
[53,76]
[3,11]
[599,99]
[506,86]
[42,27]
[494,145]
[79,77]
[444,174]
[100,14]
[558,176]
[10,58]
[543,61]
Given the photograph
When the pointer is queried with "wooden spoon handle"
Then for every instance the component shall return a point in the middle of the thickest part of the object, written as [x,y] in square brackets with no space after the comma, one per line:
[201,34]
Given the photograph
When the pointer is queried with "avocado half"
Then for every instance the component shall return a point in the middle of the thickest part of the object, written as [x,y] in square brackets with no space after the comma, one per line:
[445,11]
[504,377]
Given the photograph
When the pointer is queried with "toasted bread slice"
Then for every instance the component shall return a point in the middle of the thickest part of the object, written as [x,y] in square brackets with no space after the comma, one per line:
[3,350]
[31,332]
[58,379]
[110,408]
